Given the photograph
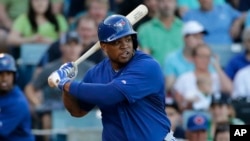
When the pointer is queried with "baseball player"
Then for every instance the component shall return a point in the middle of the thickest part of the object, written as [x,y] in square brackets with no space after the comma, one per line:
[15,120]
[127,86]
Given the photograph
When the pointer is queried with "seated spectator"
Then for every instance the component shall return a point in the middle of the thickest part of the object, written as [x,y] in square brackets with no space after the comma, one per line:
[72,7]
[197,127]
[44,99]
[15,119]
[222,133]
[222,22]
[222,112]
[241,60]
[247,21]
[180,61]
[174,114]
[38,25]
[187,82]
[162,35]
[185,5]
[96,9]
[202,99]
[9,12]
[152,12]
[86,31]
[242,83]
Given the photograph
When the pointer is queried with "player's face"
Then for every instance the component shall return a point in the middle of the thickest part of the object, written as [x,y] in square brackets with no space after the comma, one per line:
[6,81]
[119,51]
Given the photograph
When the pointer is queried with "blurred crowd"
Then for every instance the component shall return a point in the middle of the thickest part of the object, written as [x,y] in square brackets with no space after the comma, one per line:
[203,47]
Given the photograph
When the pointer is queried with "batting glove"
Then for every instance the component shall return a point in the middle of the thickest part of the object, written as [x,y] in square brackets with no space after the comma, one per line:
[65,74]
[69,70]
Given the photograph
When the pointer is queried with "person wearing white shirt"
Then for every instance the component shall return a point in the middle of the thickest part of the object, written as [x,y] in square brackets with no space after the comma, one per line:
[242,83]
[186,84]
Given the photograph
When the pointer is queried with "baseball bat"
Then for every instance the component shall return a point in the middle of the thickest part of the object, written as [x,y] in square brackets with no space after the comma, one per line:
[134,16]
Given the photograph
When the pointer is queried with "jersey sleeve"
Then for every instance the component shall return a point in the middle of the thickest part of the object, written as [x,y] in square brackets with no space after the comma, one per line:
[140,80]
[87,106]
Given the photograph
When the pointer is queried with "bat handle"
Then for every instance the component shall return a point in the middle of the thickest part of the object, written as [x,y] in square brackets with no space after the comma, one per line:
[53,79]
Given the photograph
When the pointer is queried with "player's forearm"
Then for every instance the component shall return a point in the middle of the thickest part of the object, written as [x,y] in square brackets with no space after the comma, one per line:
[98,94]
[72,105]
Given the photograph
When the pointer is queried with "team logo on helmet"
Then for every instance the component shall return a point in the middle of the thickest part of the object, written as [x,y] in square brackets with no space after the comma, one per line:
[119,25]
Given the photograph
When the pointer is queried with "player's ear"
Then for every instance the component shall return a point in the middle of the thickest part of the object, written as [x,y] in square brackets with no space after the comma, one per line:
[103,46]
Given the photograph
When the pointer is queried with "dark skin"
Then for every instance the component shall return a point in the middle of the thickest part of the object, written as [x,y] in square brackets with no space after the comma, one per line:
[6,82]
[119,52]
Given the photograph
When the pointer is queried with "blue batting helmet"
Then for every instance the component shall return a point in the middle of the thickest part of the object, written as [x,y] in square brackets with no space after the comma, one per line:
[7,63]
[115,27]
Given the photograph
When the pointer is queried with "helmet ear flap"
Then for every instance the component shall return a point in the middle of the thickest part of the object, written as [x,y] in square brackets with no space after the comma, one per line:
[135,41]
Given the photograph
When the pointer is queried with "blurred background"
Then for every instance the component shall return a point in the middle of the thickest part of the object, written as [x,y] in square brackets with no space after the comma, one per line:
[203,47]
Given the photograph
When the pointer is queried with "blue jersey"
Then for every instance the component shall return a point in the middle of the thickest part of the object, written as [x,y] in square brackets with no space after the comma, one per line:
[15,120]
[141,115]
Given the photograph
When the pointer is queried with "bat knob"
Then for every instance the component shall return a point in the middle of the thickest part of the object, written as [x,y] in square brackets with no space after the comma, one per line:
[53,80]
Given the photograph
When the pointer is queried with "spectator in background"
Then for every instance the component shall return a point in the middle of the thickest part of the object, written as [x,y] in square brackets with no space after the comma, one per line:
[126,6]
[180,61]
[201,99]
[185,5]
[241,5]
[15,120]
[222,133]
[86,30]
[161,35]
[43,99]
[72,8]
[222,112]
[39,25]
[222,22]
[9,11]
[197,127]
[152,12]
[242,83]
[241,60]
[247,21]
[174,115]
[96,9]
[187,82]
